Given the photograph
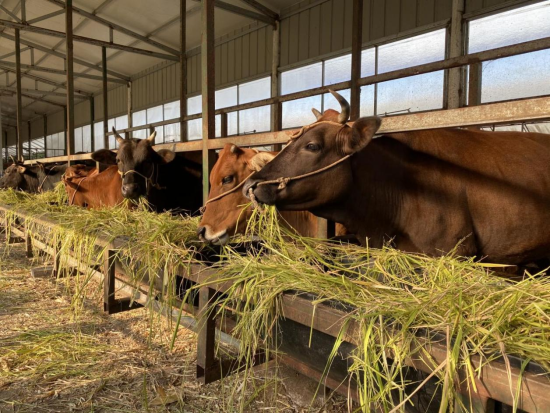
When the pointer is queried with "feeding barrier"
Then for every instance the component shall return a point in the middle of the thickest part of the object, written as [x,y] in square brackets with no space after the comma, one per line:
[358,320]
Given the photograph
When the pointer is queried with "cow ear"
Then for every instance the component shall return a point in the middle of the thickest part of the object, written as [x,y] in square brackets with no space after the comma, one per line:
[260,160]
[359,135]
[21,169]
[167,155]
[104,156]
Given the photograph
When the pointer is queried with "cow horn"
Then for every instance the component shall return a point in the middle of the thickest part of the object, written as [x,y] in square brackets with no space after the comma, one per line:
[344,113]
[13,159]
[119,138]
[151,138]
[317,114]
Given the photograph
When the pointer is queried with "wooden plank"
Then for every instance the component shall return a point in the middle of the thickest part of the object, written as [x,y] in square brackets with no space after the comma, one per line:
[70,144]
[19,104]
[218,69]
[367,6]
[443,9]
[105,98]
[455,77]
[206,341]
[348,22]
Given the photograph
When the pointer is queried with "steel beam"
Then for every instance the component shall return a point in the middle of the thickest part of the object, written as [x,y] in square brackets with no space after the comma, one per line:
[261,8]
[70,79]
[356,43]
[19,105]
[119,28]
[55,53]
[276,108]
[183,71]
[43,92]
[87,40]
[208,89]
[105,98]
[44,80]
[129,107]
[46,17]
[245,12]
[9,13]
[61,72]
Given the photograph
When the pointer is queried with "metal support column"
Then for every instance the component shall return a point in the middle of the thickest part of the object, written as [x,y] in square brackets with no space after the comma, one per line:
[455,96]
[92,120]
[208,89]
[183,71]
[276,108]
[29,145]
[70,79]
[45,118]
[206,341]
[19,105]
[130,122]
[356,42]
[105,92]
[2,142]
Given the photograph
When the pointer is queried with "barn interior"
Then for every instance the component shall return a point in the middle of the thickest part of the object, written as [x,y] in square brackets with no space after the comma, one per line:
[205,73]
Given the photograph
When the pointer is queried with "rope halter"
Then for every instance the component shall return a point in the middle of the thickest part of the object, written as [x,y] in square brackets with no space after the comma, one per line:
[148,180]
[283,181]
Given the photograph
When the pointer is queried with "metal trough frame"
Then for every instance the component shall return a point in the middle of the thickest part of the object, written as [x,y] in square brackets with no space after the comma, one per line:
[492,384]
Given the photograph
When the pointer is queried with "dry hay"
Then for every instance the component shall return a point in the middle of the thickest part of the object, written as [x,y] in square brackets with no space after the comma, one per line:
[51,361]
[392,296]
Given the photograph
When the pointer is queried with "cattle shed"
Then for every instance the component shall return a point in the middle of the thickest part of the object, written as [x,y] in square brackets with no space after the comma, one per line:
[204,73]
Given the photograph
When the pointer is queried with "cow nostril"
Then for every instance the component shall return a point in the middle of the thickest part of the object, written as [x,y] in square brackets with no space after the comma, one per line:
[201,230]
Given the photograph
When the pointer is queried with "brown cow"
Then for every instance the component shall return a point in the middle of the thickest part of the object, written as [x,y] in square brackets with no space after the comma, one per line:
[96,190]
[227,215]
[425,190]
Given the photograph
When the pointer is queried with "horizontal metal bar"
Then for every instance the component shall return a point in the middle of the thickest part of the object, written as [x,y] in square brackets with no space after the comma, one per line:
[46,81]
[244,12]
[261,8]
[87,40]
[52,52]
[43,92]
[62,72]
[46,16]
[489,114]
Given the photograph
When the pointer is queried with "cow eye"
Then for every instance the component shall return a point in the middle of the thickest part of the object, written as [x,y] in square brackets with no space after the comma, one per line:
[227,180]
[313,147]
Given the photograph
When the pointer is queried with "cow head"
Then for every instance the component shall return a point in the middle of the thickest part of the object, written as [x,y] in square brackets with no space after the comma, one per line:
[137,163]
[318,146]
[228,215]
[14,176]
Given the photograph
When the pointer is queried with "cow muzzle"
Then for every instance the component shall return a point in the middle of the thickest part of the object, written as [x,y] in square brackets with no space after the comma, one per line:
[206,235]
[131,191]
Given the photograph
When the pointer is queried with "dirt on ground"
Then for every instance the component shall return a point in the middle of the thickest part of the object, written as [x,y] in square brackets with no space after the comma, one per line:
[53,359]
